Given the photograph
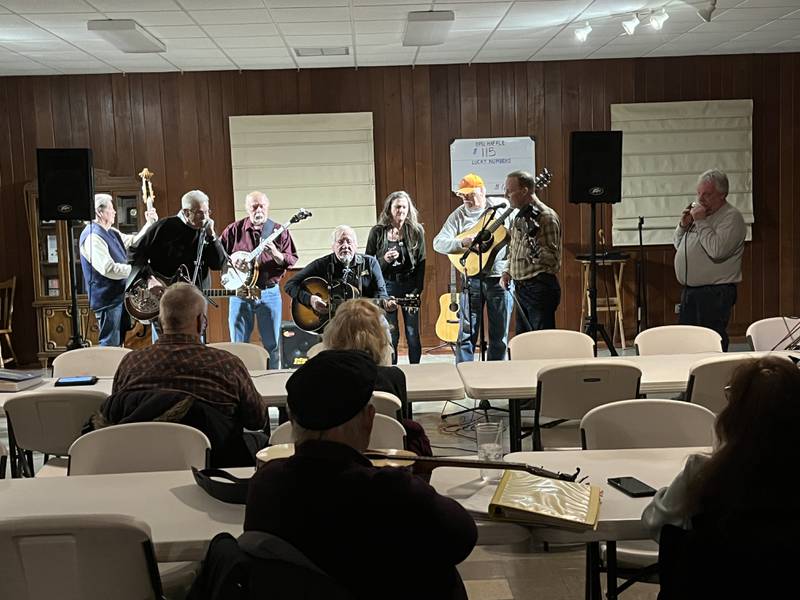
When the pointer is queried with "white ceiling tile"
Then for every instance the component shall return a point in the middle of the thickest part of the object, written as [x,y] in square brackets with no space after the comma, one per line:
[768,4]
[475,24]
[462,10]
[723,27]
[790,26]
[511,45]
[126,5]
[190,43]
[176,31]
[443,59]
[788,46]
[212,4]
[63,19]
[325,62]
[324,28]
[305,3]
[379,39]
[394,11]
[45,56]
[257,53]
[760,15]
[380,26]
[22,34]
[151,18]
[386,61]
[180,54]
[142,60]
[507,55]
[231,17]
[265,65]
[793,15]
[273,41]
[317,41]
[251,30]
[764,38]
[614,53]
[306,15]
[390,51]
[565,53]
[203,62]
[463,55]
[543,13]
[47,6]
[525,33]
[36,46]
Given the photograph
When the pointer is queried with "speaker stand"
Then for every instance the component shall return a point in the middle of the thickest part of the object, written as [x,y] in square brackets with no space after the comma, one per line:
[76,341]
[593,327]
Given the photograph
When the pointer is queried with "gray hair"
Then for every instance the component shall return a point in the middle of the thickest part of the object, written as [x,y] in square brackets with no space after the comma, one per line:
[180,305]
[192,198]
[102,201]
[718,178]
[341,229]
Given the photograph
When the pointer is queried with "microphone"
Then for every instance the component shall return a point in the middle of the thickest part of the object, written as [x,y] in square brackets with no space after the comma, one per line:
[495,208]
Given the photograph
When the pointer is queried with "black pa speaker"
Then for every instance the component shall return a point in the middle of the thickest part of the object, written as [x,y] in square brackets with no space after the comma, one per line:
[295,344]
[595,170]
[66,184]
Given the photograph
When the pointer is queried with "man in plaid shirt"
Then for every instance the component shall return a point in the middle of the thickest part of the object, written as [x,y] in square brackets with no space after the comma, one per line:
[534,255]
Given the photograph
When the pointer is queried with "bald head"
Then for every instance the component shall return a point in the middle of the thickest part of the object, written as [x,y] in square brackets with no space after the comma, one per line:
[183,310]
[257,206]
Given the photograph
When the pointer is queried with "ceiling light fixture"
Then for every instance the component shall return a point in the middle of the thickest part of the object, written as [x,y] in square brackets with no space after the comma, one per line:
[428,27]
[127,35]
[705,13]
[583,32]
[657,19]
[631,24]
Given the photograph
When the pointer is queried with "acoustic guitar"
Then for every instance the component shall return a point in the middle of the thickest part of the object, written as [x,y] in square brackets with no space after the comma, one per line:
[307,319]
[448,322]
[494,236]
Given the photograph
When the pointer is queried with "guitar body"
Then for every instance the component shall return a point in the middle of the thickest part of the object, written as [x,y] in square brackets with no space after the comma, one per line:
[305,317]
[448,322]
[489,248]
[234,278]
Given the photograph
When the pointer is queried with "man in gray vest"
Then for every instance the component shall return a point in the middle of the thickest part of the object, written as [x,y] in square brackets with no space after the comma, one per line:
[708,263]
[105,267]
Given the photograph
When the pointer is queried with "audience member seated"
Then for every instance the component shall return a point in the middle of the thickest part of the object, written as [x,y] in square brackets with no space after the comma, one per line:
[379,532]
[180,380]
[361,325]
[728,523]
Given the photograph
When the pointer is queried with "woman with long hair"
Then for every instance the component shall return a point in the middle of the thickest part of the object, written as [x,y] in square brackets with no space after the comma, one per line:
[735,498]
[398,242]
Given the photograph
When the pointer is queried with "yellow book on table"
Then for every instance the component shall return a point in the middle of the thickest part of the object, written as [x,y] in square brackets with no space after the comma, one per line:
[526,498]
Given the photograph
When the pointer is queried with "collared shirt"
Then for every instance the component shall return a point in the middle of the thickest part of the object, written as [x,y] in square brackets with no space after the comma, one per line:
[95,250]
[245,236]
[179,362]
[535,245]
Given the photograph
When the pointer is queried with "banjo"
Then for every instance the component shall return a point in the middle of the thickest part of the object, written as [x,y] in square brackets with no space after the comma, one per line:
[243,267]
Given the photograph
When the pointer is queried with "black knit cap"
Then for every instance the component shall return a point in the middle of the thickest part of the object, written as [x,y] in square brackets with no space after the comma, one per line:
[331,388]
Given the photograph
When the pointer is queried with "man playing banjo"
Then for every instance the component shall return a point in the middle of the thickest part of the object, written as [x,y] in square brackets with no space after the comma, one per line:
[239,238]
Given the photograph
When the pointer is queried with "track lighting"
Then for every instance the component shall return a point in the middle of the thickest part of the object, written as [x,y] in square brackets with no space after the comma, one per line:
[583,32]
[705,13]
[630,25]
[657,19]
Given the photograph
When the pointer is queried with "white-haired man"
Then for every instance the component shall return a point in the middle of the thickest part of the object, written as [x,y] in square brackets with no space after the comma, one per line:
[344,265]
[280,254]
[105,266]
[709,240]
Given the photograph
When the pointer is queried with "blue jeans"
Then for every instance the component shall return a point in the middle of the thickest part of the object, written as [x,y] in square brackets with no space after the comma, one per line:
[498,302]
[399,289]
[538,299]
[242,315]
[109,320]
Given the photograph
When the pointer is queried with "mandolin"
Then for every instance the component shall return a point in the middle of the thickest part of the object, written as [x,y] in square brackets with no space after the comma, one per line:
[447,325]
[243,267]
[495,236]
[307,319]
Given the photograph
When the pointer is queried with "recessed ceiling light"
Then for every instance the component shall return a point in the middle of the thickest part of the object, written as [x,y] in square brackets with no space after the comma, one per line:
[428,27]
[631,24]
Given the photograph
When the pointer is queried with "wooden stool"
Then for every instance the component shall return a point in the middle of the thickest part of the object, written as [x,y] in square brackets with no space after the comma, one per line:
[611,303]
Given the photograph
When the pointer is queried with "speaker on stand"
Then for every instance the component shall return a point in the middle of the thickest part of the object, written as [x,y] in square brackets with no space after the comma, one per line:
[66,193]
[295,344]
[595,177]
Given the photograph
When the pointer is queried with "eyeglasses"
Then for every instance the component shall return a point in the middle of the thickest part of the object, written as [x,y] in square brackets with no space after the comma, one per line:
[199,211]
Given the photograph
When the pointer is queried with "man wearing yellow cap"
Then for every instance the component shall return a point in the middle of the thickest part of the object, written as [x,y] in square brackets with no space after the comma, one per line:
[486,287]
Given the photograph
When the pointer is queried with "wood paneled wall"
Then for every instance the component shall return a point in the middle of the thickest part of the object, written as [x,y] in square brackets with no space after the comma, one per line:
[177,124]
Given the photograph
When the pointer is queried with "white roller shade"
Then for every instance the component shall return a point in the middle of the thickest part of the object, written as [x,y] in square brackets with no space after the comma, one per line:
[665,147]
[322,162]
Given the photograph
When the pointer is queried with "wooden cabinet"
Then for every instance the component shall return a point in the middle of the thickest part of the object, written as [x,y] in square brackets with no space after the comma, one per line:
[50,251]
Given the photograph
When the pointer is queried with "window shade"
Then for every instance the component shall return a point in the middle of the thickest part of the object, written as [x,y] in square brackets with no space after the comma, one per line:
[322,162]
[665,147]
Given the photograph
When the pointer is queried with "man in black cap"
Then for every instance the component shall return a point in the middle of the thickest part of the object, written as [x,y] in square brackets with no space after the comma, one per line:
[368,528]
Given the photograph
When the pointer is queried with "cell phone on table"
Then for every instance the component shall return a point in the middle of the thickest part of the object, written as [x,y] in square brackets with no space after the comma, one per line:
[76,380]
[631,486]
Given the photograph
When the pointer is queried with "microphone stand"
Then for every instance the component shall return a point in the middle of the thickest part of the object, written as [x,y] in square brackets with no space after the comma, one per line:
[641,284]
[201,241]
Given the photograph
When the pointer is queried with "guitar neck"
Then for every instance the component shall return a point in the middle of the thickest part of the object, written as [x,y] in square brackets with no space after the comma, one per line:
[272,236]
[219,292]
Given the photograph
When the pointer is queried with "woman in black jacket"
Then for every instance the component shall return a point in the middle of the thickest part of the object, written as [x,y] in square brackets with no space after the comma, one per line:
[398,242]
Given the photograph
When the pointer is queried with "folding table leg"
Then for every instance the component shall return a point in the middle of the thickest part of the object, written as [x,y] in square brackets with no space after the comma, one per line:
[515,424]
[611,570]
[593,590]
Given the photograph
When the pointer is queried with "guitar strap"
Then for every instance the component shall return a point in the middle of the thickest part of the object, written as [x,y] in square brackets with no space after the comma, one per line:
[266,231]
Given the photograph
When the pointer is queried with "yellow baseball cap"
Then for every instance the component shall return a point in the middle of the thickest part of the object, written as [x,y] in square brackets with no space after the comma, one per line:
[470,183]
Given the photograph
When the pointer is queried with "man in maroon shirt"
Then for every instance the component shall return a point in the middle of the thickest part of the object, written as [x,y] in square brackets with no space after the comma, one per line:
[280,254]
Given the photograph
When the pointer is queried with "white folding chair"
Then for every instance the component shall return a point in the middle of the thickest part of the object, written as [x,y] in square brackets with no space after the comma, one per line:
[48,421]
[139,447]
[77,556]
[101,361]
[646,423]
[550,343]
[254,357]
[386,403]
[708,378]
[570,391]
[387,433]
[775,333]
[677,339]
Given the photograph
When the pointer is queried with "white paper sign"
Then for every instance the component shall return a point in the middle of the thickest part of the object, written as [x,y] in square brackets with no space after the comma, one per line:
[492,159]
